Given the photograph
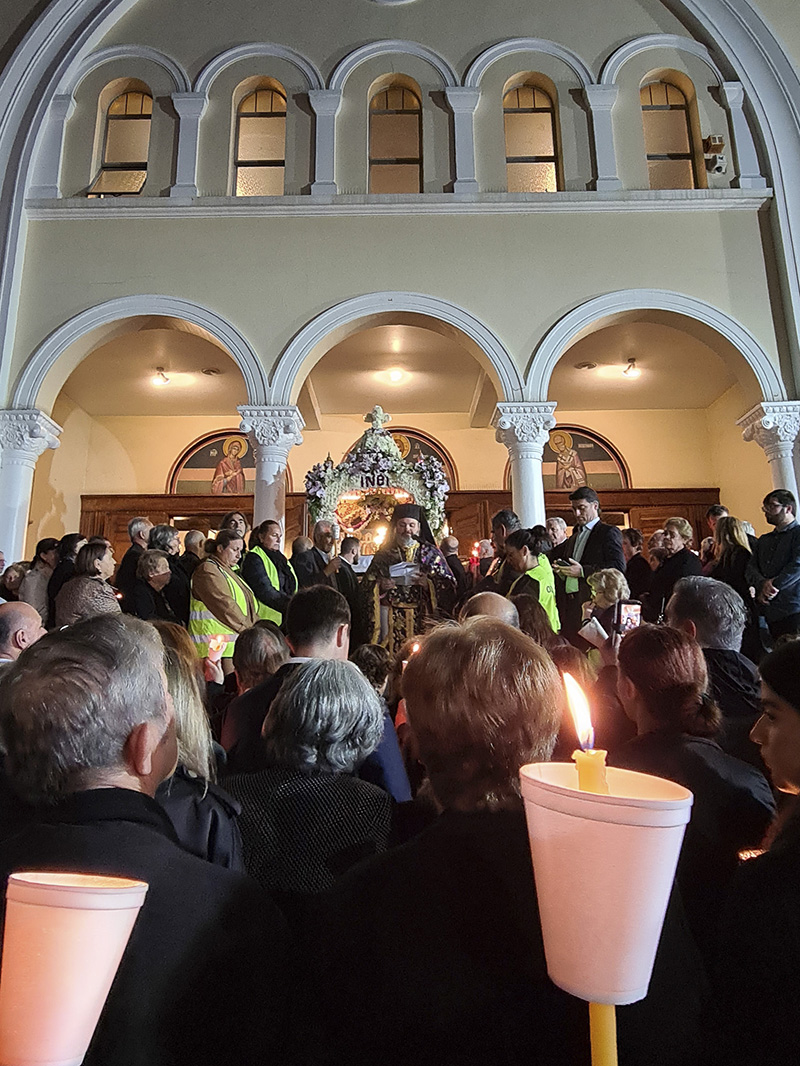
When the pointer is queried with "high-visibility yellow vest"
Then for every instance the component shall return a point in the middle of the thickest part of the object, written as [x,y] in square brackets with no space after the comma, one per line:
[543,573]
[272,576]
[203,625]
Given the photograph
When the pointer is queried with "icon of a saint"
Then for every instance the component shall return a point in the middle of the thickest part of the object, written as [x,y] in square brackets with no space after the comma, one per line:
[229,479]
[570,471]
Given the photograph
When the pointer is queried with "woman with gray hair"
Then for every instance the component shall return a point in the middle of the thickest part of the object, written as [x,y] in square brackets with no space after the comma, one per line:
[306,819]
[177,591]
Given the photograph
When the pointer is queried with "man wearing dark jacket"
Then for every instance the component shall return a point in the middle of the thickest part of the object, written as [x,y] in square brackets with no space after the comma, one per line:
[774,569]
[316,567]
[125,578]
[89,734]
[593,546]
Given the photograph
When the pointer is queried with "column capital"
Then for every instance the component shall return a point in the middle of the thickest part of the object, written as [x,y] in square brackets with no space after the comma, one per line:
[25,435]
[274,430]
[601,97]
[732,94]
[325,101]
[462,99]
[189,105]
[524,426]
[774,426]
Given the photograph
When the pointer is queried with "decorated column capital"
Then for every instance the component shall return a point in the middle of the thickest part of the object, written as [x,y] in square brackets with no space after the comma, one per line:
[274,430]
[25,435]
[774,426]
[524,428]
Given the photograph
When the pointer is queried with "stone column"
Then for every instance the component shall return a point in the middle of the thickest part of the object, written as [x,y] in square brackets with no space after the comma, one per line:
[273,432]
[46,180]
[774,426]
[748,171]
[326,104]
[189,108]
[600,100]
[24,436]
[463,103]
[524,428]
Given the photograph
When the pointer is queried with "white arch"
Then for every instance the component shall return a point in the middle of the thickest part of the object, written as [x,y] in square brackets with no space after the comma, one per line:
[258,50]
[379,48]
[479,66]
[180,78]
[565,332]
[618,59]
[285,385]
[29,385]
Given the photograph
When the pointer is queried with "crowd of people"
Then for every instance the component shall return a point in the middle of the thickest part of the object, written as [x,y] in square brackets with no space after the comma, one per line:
[315,767]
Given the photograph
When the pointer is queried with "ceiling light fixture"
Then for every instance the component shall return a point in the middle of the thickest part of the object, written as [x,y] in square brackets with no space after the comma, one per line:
[396,376]
[632,370]
[160,378]
[586,366]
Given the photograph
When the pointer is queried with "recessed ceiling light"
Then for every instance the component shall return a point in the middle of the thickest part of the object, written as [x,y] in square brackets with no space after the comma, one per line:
[211,370]
[585,366]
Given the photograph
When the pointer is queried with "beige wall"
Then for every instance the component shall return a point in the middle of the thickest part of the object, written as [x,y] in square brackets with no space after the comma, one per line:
[270,276]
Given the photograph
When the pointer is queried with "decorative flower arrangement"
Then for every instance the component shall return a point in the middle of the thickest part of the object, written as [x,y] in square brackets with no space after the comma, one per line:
[377,455]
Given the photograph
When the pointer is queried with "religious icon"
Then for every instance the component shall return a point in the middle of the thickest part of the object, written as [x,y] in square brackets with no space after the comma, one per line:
[570,471]
[229,479]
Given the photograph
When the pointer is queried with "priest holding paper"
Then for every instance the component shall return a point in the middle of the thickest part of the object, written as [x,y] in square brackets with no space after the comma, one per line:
[408,582]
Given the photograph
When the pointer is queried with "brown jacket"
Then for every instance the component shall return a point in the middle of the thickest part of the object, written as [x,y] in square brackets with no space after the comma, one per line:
[210,586]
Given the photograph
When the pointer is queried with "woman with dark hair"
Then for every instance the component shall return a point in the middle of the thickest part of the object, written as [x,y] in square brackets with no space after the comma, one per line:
[663,686]
[679,562]
[534,622]
[68,548]
[268,572]
[222,605]
[153,576]
[638,572]
[755,983]
[525,552]
[33,589]
[88,593]
[732,555]
[235,521]
[11,580]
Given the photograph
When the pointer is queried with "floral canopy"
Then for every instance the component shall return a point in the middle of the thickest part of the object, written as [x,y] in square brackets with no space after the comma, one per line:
[376,467]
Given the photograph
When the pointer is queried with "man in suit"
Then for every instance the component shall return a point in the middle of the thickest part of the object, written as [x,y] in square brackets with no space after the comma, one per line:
[347,583]
[593,546]
[449,549]
[316,567]
[89,734]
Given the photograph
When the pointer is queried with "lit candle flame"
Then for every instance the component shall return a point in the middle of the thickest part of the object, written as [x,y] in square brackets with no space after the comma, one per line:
[579,707]
[415,648]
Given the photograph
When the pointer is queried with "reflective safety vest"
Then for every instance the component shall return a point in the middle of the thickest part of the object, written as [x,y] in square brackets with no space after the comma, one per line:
[203,625]
[272,576]
[543,574]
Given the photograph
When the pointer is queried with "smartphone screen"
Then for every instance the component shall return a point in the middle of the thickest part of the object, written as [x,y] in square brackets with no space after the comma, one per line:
[629,615]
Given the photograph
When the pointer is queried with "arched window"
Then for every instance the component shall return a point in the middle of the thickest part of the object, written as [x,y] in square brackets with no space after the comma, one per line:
[395,141]
[667,137]
[125,146]
[260,154]
[530,124]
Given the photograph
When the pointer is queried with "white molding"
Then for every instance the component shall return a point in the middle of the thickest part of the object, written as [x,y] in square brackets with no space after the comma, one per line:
[257,50]
[286,386]
[48,353]
[499,51]
[365,204]
[392,47]
[569,328]
[617,60]
[127,52]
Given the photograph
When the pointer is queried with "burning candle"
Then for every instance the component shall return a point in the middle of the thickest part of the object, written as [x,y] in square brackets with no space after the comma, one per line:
[216,646]
[591,762]
[414,650]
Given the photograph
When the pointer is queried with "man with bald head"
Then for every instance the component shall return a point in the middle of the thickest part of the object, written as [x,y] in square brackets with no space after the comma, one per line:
[491,605]
[20,626]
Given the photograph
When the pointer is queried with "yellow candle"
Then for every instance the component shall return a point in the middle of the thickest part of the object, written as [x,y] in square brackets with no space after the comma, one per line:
[591,770]
[603,1031]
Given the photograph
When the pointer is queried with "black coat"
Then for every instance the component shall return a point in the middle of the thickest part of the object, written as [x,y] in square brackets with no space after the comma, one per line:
[682,564]
[602,551]
[309,568]
[346,581]
[757,992]
[204,818]
[432,955]
[177,592]
[733,808]
[255,574]
[241,727]
[146,603]
[733,571]
[459,573]
[125,577]
[639,576]
[200,980]
[736,689]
